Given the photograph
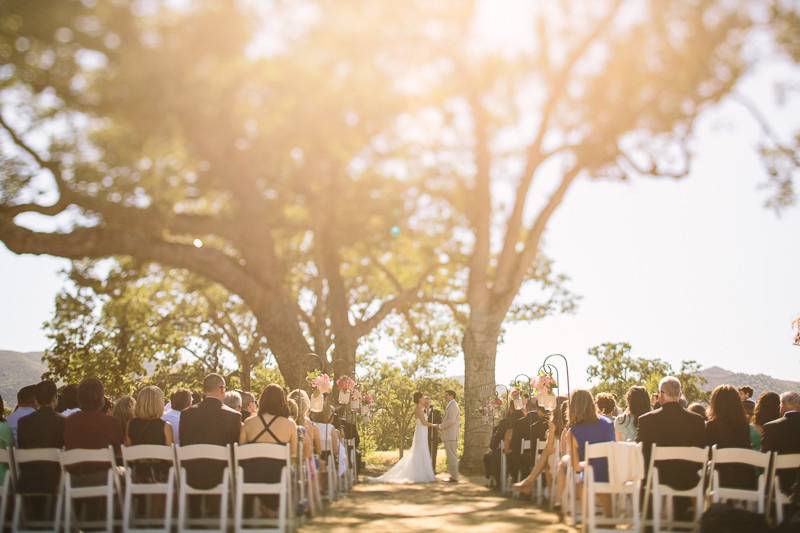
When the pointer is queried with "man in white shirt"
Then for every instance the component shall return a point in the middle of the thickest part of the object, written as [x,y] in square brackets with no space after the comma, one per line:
[180,400]
[26,404]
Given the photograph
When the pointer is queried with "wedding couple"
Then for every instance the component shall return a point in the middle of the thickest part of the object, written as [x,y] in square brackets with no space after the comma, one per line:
[416,465]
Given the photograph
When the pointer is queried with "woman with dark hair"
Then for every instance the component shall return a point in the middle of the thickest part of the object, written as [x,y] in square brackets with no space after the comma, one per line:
[768,408]
[271,426]
[727,427]
[626,425]
[698,409]
[606,404]
[68,400]
[6,437]
[272,423]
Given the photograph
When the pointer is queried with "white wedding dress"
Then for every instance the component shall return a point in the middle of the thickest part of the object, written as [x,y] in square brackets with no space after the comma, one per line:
[415,466]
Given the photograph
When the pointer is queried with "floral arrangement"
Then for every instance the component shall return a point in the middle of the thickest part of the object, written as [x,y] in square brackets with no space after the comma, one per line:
[322,382]
[345,383]
[355,395]
[514,393]
[543,384]
[369,399]
[489,407]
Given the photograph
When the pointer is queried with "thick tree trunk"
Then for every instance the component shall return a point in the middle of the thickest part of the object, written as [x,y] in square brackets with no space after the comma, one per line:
[245,371]
[286,342]
[480,353]
[344,356]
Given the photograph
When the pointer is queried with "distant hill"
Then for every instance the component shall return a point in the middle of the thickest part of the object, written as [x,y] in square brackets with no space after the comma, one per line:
[17,370]
[760,382]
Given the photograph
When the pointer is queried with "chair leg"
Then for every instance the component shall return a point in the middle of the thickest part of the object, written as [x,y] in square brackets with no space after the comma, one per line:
[110,508]
[637,522]
[656,511]
[182,503]
[126,509]
[67,511]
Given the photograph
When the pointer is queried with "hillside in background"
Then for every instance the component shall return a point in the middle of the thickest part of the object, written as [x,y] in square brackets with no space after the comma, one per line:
[17,370]
[760,382]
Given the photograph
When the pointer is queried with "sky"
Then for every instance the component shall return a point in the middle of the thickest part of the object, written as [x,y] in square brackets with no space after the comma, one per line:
[689,269]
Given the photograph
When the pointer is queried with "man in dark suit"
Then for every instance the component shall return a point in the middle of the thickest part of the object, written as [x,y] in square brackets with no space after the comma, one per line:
[530,428]
[434,417]
[41,429]
[783,435]
[209,422]
[672,425]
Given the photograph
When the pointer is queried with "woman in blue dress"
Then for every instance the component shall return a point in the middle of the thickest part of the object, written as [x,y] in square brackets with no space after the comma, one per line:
[587,427]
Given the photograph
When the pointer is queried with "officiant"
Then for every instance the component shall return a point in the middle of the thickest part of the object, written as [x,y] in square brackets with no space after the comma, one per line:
[434,417]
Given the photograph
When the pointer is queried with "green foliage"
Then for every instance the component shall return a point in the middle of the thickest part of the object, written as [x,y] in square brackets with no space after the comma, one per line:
[393,383]
[130,324]
[615,371]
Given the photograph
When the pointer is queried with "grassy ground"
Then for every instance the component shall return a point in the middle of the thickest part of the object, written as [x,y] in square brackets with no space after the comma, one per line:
[464,507]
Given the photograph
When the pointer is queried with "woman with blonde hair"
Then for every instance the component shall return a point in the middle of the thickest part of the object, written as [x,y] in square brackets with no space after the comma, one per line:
[147,427]
[124,412]
[312,444]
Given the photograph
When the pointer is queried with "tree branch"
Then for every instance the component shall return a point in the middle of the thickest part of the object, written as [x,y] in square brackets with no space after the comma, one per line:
[535,155]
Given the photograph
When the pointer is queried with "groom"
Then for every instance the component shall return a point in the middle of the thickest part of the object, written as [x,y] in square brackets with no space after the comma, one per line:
[448,431]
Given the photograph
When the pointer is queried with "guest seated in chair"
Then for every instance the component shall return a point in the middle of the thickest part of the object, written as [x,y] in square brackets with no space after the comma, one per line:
[270,425]
[586,427]
[727,427]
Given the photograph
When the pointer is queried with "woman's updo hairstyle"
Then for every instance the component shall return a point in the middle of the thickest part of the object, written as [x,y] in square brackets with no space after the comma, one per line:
[417,397]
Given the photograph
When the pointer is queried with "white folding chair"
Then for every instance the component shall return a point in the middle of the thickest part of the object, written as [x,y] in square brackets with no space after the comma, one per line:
[663,495]
[629,488]
[781,462]
[5,485]
[331,492]
[314,493]
[281,489]
[553,461]
[569,496]
[19,522]
[152,454]
[187,454]
[538,448]
[352,463]
[503,481]
[343,468]
[751,497]
[72,492]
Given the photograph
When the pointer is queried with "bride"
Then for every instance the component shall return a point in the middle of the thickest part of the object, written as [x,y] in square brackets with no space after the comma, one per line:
[415,466]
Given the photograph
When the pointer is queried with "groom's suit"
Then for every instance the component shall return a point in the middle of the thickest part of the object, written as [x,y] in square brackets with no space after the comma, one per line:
[449,430]
[434,417]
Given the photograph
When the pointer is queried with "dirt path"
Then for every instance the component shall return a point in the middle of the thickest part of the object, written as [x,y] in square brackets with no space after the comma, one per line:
[464,507]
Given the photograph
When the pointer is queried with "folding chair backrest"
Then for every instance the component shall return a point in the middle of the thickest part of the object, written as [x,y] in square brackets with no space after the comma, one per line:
[82,455]
[682,453]
[142,452]
[5,458]
[30,455]
[203,451]
[787,461]
[598,450]
[261,450]
[740,456]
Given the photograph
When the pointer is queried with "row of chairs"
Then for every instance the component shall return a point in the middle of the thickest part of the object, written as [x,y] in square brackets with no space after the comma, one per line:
[626,500]
[121,488]
[625,497]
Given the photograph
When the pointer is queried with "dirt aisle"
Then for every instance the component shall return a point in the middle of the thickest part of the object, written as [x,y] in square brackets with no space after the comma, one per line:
[464,507]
